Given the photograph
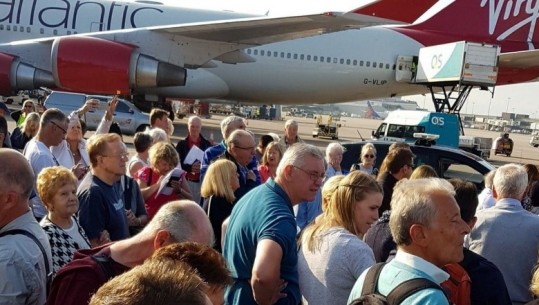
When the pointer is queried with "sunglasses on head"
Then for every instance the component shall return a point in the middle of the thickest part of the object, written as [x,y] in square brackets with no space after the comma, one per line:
[368,156]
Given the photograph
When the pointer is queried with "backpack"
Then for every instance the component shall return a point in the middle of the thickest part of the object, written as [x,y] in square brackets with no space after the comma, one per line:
[459,284]
[371,296]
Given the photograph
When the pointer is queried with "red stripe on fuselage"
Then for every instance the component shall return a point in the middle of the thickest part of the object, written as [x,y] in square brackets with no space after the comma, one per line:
[399,10]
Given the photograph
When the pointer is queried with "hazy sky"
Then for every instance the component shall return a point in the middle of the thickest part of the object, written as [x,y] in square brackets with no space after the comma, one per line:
[519,98]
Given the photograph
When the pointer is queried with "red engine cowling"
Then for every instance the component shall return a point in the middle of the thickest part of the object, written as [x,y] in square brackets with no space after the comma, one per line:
[16,75]
[94,65]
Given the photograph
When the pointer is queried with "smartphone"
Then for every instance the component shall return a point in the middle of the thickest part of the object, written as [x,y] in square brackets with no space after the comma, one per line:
[172,178]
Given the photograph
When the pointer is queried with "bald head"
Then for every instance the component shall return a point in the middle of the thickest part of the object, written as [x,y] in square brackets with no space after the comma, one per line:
[16,174]
[16,183]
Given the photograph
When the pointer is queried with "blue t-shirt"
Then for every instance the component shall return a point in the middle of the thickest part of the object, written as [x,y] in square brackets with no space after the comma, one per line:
[263,213]
[102,208]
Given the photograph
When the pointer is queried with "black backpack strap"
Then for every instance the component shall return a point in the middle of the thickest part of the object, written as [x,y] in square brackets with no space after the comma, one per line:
[105,265]
[32,237]
[371,279]
[408,288]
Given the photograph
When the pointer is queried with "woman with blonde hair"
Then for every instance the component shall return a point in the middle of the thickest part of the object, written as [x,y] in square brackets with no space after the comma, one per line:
[270,160]
[332,253]
[367,160]
[57,188]
[424,171]
[21,135]
[163,158]
[20,116]
[217,189]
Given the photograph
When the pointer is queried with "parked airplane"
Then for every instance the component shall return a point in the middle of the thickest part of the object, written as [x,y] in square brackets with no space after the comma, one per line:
[335,67]
[373,114]
[134,45]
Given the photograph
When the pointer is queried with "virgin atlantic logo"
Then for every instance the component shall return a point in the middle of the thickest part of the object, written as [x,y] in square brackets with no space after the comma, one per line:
[512,8]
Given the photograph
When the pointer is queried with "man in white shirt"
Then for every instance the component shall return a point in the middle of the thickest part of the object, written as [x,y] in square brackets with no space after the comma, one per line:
[52,131]
[426,225]
[22,263]
[486,199]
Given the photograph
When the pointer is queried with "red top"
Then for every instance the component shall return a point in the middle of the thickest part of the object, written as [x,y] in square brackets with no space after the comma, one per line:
[264,173]
[154,203]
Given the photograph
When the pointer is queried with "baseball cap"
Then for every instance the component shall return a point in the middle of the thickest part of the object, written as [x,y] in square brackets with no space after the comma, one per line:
[3,106]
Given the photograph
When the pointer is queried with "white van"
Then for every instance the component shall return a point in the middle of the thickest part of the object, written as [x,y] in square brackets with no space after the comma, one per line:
[128,116]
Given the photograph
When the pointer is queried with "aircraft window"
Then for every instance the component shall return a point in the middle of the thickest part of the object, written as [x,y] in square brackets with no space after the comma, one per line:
[255,52]
[14,28]
[302,57]
[361,63]
[348,61]
[42,31]
[354,62]
[368,64]
[335,60]
[275,54]
[1,27]
[387,66]
[269,53]
[381,65]
[282,54]
[262,52]
[374,64]
[21,29]
[328,59]
[341,61]
[309,57]
[68,32]
[295,56]
[8,27]
[315,58]
[28,29]
[288,55]
[248,51]
[55,32]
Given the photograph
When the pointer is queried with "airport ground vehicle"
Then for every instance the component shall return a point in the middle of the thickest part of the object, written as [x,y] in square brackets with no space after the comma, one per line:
[18,99]
[128,116]
[330,129]
[448,162]
[534,141]
[503,145]
[403,124]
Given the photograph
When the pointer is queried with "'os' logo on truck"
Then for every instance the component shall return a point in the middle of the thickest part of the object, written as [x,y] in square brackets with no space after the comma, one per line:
[437,121]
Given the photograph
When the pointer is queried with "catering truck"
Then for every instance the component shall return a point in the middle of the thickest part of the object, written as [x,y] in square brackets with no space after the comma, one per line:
[411,125]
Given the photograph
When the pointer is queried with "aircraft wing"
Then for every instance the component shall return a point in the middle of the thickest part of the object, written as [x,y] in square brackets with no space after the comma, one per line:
[519,60]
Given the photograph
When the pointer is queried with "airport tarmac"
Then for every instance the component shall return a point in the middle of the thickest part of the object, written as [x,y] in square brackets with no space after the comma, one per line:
[353,129]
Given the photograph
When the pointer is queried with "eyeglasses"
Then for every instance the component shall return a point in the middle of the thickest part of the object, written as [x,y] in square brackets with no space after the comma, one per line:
[368,156]
[314,176]
[57,125]
[124,156]
[246,148]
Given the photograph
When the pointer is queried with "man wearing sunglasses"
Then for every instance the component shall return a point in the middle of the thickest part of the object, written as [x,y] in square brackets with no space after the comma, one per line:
[52,130]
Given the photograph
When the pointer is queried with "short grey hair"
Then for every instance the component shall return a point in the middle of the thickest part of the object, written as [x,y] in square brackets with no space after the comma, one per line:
[510,181]
[296,154]
[235,137]
[412,203]
[175,218]
[290,122]
[193,118]
[333,147]
[52,114]
[489,178]
[228,122]
[158,135]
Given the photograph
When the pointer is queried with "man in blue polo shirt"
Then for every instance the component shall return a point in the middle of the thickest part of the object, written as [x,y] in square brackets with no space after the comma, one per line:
[260,241]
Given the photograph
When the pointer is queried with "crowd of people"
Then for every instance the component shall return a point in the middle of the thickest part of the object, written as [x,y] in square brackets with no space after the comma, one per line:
[273,221]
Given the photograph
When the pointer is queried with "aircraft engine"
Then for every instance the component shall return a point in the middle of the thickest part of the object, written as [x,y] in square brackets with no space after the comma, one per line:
[16,75]
[94,65]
